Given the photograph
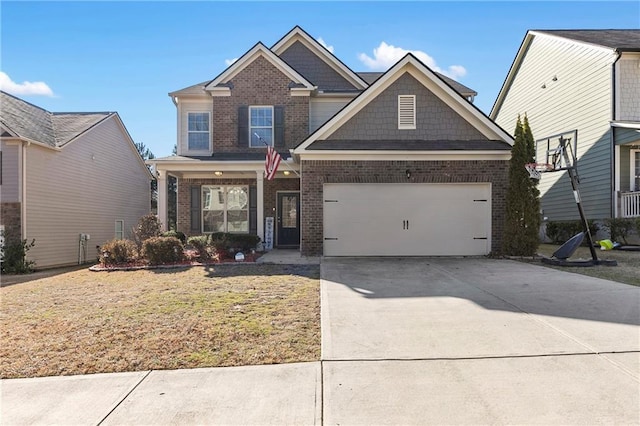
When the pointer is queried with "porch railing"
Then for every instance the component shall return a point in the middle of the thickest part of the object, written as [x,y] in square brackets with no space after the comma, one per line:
[630,204]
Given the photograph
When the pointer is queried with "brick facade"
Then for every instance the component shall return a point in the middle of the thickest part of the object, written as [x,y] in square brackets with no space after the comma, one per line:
[270,189]
[316,173]
[260,83]
[10,218]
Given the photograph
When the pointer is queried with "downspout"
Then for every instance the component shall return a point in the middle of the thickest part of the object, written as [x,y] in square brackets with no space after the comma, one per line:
[23,201]
[612,147]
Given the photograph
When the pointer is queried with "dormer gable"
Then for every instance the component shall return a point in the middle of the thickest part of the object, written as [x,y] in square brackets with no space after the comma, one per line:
[316,63]
[411,70]
[222,84]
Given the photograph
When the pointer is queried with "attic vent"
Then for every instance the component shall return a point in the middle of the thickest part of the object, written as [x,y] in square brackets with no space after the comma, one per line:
[406,112]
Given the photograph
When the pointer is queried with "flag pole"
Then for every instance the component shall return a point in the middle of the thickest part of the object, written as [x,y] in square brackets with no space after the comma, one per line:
[285,162]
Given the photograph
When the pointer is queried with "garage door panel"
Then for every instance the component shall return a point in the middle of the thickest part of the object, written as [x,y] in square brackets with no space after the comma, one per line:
[406,219]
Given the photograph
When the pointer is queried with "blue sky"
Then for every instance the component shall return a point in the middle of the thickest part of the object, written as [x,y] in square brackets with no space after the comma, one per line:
[126,56]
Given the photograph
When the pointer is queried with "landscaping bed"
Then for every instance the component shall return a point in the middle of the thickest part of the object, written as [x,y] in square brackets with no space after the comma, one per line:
[81,322]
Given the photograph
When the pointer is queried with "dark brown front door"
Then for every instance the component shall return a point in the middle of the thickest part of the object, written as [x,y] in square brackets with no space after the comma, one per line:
[288,220]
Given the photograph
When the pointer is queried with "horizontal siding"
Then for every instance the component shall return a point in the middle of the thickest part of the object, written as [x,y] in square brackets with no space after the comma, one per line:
[629,92]
[84,188]
[321,110]
[10,188]
[184,108]
[579,99]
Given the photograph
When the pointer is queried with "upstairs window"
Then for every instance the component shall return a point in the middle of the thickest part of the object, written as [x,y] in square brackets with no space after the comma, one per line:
[261,122]
[198,131]
[406,112]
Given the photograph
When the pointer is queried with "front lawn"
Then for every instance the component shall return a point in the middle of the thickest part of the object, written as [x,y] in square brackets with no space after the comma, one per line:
[221,315]
[627,271]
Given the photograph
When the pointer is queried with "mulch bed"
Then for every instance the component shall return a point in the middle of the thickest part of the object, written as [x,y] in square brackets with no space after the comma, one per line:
[135,266]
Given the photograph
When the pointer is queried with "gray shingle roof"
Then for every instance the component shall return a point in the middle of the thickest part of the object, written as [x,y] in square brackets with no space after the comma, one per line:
[410,145]
[371,77]
[623,40]
[37,124]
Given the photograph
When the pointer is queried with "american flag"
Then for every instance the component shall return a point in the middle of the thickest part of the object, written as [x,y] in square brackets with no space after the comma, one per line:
[271,163]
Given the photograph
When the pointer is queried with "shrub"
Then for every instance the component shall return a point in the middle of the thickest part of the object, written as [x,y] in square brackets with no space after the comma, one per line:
[227,241]
[119,251]
[159,250]
[619,228]
[201,244]
[14,255]
[148,226]
[177,234]
[560,232]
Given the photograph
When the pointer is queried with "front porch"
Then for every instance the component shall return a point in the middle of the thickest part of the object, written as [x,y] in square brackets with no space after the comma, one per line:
[232,196]
[627,169]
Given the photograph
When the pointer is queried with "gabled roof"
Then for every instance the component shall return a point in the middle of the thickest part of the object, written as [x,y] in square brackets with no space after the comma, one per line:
[616,40]
[412,65]
[620,40]
[300,35]
[54,129]
[370,77]
[259,50]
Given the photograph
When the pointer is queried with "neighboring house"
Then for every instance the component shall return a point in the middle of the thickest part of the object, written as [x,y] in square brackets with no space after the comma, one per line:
[394,163]
[584,83]
[65,175]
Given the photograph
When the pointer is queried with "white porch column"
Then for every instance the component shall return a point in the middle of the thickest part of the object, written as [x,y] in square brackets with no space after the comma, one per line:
[162,199]
[260,206]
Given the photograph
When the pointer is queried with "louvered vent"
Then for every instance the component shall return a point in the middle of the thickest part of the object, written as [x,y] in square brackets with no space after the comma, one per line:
[406,112]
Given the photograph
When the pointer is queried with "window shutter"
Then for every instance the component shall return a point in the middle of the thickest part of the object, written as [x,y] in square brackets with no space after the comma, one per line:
[196,210]
[243,126]
[253,210]
[406,112]
[278,126]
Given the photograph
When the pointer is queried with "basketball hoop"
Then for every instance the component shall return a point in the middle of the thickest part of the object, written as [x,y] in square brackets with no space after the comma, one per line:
[536,169]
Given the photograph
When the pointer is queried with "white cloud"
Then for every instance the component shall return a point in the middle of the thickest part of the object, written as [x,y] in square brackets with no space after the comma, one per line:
[230,61]
[35,88]
[386,55]
[326,46]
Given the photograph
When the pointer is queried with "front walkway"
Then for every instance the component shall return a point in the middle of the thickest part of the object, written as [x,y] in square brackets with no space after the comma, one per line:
[287,257]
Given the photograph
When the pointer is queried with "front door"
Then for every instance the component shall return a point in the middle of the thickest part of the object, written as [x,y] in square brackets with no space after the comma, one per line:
[288,220]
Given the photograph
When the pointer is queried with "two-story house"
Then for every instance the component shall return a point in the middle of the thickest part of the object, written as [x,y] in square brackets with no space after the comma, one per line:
[394,163]
[583,85]
[69,180]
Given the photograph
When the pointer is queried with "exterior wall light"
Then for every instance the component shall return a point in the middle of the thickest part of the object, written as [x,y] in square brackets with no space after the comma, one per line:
[217,173]
[287,172]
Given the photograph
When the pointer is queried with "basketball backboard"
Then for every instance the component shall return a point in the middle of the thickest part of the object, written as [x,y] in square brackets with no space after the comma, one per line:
[559,150]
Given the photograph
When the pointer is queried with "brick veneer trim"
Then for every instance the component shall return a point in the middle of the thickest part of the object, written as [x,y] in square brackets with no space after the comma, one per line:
[316,173]
[10,217]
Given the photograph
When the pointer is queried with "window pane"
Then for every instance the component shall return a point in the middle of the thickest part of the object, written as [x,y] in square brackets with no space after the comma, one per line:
[212,198]
[213,221]
[198,121]
[289,212]
[237,198]
[238,220]
[198,141]
[261,116]
[265,134]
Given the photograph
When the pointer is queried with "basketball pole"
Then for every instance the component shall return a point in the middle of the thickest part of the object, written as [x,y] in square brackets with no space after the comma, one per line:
[573,177]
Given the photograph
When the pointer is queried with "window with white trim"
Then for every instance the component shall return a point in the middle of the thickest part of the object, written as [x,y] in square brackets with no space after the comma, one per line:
[225,209]
[406,112]
[635,169]
[260,122]
[198,131]
[119,231]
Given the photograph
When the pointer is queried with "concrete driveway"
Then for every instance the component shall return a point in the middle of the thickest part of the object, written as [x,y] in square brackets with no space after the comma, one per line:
[418,341]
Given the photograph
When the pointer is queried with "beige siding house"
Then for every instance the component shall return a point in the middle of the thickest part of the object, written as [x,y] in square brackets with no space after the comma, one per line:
[583,84]
[66,176]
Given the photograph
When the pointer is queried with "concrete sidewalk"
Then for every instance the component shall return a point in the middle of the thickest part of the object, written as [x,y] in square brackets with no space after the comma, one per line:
[269,395]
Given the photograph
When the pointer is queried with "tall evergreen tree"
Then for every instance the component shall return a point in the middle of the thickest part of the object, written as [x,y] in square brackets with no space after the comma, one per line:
[522,220]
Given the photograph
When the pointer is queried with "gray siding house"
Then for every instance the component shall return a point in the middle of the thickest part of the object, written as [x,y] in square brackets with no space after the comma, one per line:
[66,176]
[585,84]
[385,164]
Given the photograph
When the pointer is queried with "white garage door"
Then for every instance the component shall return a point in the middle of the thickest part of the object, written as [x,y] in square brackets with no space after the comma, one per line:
[407,219]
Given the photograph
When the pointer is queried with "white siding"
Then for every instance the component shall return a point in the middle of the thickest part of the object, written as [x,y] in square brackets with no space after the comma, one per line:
[629,91]
[184,108]
[10,188]
[321,110]
[580,99]
[84,188]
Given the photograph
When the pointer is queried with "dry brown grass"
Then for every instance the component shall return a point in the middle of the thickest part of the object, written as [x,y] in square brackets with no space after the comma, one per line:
[627,271]
[88,322]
